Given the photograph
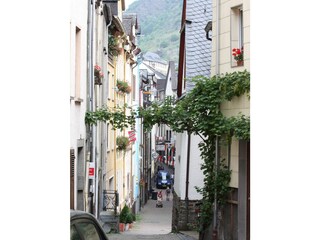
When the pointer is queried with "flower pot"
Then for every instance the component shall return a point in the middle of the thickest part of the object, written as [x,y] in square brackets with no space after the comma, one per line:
[97,80]
[122,227]
[239,63]
[127,226]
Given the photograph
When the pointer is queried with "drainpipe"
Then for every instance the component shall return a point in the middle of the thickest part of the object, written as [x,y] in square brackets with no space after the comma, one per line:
[215,216]
[187,178]
[94,128]
[215,231]
[104,132]
[150,143]
[90,129]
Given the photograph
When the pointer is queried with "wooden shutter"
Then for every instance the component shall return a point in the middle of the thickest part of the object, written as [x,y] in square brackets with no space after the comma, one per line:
[72,158]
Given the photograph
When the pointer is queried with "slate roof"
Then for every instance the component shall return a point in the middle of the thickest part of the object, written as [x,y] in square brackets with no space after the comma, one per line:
[161,84]
[153,57]
[129,20]
[198,47]
[158,75]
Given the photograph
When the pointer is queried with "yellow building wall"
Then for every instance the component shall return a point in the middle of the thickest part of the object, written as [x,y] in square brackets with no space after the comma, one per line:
[226,65]
[111,148]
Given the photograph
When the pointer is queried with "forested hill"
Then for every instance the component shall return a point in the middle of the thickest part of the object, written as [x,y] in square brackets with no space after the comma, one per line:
[160,22]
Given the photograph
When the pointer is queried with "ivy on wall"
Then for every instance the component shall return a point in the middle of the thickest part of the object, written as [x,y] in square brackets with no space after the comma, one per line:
[198,112]
[115,116]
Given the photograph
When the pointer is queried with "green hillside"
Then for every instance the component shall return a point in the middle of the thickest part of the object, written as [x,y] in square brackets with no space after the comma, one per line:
[160,22]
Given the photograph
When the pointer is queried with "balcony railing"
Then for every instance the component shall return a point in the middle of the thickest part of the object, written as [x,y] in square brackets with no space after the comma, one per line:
[110,200]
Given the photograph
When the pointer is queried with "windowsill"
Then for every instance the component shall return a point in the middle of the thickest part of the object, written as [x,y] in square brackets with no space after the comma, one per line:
[78,100]
[235,65]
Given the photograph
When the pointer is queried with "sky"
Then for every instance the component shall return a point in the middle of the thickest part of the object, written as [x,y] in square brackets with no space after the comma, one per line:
[128,2]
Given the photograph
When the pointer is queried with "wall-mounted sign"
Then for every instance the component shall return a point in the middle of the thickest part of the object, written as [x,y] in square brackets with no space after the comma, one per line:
[91,170]
[160,147]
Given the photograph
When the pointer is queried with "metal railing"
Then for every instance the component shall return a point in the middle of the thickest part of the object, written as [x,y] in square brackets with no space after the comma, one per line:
[110,200]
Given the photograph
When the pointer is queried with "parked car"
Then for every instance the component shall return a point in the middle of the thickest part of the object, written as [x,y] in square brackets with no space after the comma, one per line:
[163,179]
[84,226]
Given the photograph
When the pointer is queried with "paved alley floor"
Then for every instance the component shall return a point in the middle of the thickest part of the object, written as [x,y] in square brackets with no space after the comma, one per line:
[155,223]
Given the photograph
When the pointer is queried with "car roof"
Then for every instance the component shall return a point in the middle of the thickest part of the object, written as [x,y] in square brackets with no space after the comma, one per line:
[79,213]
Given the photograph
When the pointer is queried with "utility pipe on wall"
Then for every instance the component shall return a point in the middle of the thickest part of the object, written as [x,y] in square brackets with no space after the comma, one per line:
[104,96]
[90,130]
[215,213]
[94,128]
[187,178]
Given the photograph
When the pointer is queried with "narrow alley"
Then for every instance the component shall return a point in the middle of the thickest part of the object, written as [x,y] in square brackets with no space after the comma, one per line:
[154,223]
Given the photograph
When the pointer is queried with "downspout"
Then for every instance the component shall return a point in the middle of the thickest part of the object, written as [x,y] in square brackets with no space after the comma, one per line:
[215,216]
[125,190]
[150,147]
[187,179]
[104,132]
[94,128]
[115,131]
[90,130]
[98,129]
[217,38]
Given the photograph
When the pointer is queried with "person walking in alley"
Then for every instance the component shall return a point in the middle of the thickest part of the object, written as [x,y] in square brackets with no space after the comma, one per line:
[159,199]
[167,193]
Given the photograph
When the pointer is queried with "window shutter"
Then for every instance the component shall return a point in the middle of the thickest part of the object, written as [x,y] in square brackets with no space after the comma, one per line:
[72,158]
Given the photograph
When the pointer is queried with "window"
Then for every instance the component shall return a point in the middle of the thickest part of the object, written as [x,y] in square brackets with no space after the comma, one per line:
[236,31]
[72,161]
[133,88]
[113,85]
[108,132]
[111,184]
[168,135]
[74,235]
[86,229]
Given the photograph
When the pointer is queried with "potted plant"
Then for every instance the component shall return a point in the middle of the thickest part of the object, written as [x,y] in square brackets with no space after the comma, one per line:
[98,75]
[113,45]
[122,142]
[129,219]
[123,218]
[123,86]
[238,55]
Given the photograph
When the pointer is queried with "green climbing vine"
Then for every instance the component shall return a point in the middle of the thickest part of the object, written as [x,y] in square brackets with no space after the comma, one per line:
[199,112]
[116,116]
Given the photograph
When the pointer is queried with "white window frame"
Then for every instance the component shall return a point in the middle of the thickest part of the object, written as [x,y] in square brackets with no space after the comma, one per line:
[236,35]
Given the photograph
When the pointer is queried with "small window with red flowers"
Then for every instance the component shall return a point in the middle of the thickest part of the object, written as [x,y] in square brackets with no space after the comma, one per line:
[237,42]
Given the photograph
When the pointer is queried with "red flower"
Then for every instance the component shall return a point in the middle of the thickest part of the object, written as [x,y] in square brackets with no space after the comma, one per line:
[98,68]
[237,53]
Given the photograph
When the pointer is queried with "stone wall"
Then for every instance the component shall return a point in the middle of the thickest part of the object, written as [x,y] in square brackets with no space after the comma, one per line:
[184,219]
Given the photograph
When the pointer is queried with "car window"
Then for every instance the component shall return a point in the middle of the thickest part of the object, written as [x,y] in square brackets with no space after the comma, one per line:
[88,230]
[74,235]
